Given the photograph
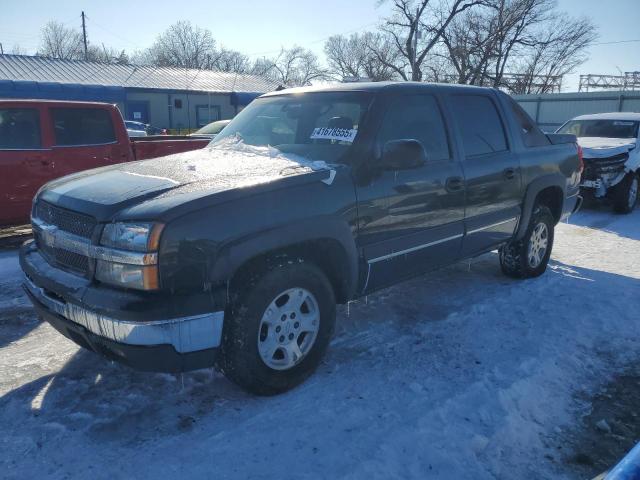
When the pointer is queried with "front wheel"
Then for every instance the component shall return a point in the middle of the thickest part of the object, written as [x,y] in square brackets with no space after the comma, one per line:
[625,194]
[278,328]
[528,258]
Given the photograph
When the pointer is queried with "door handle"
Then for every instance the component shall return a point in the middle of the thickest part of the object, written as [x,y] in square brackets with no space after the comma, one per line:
[509,173]
[454,184]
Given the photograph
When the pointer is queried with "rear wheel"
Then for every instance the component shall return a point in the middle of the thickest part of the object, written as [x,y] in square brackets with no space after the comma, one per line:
[278,328]
[625,194]
[528,258]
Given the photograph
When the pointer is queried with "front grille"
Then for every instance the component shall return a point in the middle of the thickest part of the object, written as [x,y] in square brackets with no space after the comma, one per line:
[72,222]
[63,258]
[66,220]
[595,168]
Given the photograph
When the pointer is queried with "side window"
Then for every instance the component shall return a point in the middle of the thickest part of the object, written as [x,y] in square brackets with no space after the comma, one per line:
[19,129]
[416,117]
[480,126]
[82,126]
[532,136]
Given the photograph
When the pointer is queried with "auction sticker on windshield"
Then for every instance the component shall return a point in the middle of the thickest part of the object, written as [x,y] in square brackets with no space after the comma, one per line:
[341,134]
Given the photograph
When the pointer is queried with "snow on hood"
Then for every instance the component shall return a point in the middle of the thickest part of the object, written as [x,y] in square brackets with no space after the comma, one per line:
[221,167]
[599,147]
[229,162]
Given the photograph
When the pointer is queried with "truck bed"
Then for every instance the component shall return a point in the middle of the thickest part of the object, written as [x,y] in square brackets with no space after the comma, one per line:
[162,145]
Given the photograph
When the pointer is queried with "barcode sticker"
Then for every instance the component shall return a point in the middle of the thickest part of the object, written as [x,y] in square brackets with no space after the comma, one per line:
[340,134]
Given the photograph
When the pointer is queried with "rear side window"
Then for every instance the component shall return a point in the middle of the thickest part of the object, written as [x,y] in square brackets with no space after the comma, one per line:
[532,136]
[480,126]
[19,129]
[82,126]
[416,117]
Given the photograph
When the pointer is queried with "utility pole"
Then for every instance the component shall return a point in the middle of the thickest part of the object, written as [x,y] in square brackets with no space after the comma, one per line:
[84,37]
[416,36]
[1,49]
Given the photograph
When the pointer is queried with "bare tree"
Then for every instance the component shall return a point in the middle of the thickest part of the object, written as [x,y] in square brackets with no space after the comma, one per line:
[517,45]
[516,23]
[105,54]
[359,56]
[416,27]
[470,46]
[58,41]
[291,67]
[18,50]
[558,50]
[230,61]
[182,45]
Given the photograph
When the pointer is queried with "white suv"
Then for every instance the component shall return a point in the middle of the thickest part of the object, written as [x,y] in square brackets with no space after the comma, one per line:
[611,155]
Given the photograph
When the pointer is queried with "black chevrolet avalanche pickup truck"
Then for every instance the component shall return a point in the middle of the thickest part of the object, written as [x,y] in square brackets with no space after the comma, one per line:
[236,255]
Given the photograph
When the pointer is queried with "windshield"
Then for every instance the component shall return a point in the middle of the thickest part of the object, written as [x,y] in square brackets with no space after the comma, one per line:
[213,128]
[134,125]
[601,128]
[318,126]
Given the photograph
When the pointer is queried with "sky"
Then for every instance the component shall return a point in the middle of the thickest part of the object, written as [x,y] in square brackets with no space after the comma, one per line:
[262,28]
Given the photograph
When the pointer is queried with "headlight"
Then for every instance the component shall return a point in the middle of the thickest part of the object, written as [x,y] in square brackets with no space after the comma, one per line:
[138,237]
[131,237]
[140,277]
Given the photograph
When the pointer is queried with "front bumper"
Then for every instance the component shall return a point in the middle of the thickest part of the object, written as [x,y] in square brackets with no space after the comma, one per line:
[137,329]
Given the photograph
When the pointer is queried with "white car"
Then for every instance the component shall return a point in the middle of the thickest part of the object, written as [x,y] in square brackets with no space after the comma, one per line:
[611,156]
[212,129]
[136,133]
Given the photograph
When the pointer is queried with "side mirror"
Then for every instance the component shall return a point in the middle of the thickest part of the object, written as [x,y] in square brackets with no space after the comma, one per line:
[403,155]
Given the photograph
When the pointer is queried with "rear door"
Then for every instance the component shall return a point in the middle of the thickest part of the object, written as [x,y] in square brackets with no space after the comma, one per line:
[492,172]
[25,161]
[411,221]
[84,137]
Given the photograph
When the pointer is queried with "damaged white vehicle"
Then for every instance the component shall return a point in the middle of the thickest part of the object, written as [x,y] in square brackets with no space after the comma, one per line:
[611,156]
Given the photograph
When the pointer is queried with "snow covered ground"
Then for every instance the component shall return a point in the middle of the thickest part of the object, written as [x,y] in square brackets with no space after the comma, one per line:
[459,374]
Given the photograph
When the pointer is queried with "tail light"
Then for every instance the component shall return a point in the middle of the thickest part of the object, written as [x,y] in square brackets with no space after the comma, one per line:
[580,159]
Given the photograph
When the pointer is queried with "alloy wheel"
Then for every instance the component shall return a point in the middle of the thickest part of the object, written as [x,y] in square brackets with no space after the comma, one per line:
[288,329]
[538,245]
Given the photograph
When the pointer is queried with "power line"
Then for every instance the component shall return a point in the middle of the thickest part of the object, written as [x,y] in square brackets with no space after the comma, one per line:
[617,41]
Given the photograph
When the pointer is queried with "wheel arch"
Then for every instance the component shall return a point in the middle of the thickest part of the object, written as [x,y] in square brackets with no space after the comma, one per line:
[328,244]
[548,190]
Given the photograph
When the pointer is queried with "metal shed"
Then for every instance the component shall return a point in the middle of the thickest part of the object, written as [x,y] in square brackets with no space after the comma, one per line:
[553,109]
[163,96]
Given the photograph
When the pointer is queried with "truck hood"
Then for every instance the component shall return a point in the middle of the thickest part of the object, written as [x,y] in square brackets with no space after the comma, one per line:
[600,147]
[211,171]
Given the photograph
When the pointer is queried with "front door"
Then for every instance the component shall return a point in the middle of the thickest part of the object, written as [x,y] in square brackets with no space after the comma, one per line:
[411,220]
[25,162]
[492,173]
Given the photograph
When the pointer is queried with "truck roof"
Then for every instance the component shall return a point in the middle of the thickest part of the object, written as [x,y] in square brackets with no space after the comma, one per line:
[374,87]
[624,116]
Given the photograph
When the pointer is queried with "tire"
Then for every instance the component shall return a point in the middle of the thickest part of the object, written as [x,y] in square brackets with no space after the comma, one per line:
[256,324]
[625,194]
[517,259]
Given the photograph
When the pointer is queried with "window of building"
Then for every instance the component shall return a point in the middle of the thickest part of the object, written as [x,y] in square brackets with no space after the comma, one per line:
[19,129]
[416,117]
[206,114]
[480,126]
[82,126]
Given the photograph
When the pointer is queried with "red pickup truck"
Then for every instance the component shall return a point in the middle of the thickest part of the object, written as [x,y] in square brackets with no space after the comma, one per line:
[41,140]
